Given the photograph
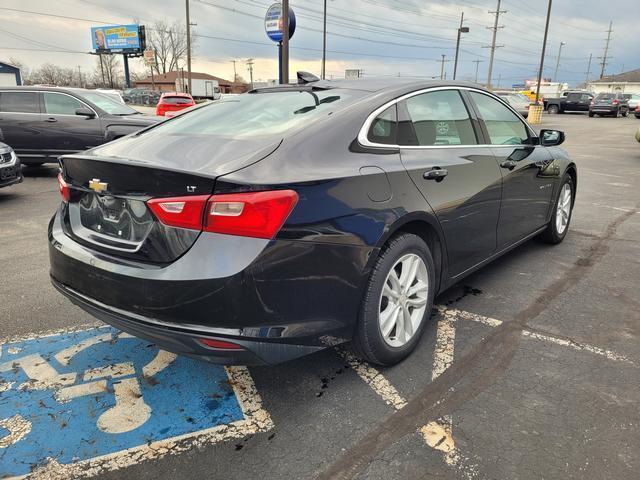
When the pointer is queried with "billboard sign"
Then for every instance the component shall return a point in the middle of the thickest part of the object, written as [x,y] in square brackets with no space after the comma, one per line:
[116,38]
[274,23]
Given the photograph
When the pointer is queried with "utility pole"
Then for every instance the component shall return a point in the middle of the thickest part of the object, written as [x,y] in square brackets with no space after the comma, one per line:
[493,46]
[250,68]
[235,75]
[477,62]
[555,74]
[101,68]
[460,31]
[442,67]
[606,50]
[586,80]
[324,41]
[285,41]
[544,48]
[188,46]
[79,77]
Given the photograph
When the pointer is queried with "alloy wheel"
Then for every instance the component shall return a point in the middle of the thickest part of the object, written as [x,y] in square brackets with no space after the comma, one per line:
[563,209]
[403,300]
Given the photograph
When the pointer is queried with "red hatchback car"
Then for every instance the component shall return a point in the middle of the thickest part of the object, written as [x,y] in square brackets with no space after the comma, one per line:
[173,101]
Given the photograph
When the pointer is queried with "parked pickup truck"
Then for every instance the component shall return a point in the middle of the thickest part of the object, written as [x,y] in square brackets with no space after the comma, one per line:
[572,102]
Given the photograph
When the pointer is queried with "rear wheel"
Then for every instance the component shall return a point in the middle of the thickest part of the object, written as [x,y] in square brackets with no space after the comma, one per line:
[397,301]
[553,109]
[559,224]
[625,113]
[591,114]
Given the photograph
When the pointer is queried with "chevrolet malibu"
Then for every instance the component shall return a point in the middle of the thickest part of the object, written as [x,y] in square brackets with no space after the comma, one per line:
[274,224]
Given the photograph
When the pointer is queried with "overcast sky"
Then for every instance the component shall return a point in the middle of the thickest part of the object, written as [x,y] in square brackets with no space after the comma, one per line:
[381,37]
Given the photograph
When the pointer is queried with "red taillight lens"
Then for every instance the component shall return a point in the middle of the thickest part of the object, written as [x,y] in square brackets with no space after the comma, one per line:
[182,212]
[252,214]
[64,188]
[615,102]
[220,344]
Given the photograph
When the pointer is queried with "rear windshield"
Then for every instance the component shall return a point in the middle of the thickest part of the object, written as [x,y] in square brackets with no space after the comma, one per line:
[254,114]
[606,96]
[176,100]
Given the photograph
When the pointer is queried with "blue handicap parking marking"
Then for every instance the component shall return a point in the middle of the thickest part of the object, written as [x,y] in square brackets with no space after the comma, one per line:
[79,395]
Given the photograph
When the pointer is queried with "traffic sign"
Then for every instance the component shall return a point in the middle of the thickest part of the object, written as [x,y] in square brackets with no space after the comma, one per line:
[273,22]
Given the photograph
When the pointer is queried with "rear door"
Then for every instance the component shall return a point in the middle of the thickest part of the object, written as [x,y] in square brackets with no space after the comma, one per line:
[20,125]
[572,103]
[457,176]
[528,174]
[64,131]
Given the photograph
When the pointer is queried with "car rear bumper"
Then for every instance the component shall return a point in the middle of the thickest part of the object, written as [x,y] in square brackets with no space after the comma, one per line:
[278,299]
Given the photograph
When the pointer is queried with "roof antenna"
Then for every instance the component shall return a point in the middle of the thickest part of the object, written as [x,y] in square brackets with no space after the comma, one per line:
[306,77]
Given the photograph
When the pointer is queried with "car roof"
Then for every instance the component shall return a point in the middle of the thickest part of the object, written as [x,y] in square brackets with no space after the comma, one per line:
[49,88]
[176,94]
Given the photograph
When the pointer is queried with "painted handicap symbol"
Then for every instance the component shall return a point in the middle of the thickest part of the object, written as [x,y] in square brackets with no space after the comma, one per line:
[87,397]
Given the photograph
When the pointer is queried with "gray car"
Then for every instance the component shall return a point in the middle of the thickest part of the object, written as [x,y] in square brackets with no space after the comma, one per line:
[518,101]
[10,169]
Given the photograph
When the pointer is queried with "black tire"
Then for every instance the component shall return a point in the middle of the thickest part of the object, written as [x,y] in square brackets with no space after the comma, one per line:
[625,113]
[368,342]
[553,109]
[551,234]
[591,114]
[637,116]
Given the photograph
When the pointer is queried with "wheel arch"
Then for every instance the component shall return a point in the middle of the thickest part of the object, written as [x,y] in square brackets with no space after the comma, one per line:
[428,229]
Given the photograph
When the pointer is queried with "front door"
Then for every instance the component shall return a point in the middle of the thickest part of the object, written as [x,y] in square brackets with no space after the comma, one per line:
[20,125]
[65,131]
[458,177]
[527,170]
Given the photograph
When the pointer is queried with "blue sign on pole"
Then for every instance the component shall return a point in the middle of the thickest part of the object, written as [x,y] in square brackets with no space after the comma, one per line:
[274,24]
[116,38]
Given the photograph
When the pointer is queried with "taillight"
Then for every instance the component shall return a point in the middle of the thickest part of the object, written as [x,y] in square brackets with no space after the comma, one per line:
[615,102]
[252,214]
[220,344]
[64,188]
[182,212]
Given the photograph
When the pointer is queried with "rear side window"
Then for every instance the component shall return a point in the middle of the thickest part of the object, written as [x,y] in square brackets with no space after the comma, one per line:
[59,104]
[384,127]
[19,102]
[504,126]
[440,118]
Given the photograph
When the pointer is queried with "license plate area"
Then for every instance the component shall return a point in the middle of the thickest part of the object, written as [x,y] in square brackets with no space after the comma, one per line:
[115,222]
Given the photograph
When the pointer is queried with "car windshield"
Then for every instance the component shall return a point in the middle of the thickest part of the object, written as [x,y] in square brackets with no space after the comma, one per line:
[108,104]
[606,96]
[253,114]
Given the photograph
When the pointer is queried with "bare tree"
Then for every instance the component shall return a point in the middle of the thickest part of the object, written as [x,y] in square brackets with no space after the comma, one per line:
[107,72]
[25,72]
[50,74]
[170,44]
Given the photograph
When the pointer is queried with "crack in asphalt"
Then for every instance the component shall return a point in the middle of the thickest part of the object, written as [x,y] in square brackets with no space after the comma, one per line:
[473,373]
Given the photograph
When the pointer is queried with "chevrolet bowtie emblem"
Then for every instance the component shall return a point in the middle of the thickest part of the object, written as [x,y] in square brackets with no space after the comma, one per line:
[97,186]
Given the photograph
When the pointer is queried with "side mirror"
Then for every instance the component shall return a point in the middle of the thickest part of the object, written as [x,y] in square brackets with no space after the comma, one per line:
[551,138]
[85,112]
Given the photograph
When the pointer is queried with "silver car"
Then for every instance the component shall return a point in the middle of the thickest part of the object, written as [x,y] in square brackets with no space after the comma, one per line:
[634,101]
[518,101]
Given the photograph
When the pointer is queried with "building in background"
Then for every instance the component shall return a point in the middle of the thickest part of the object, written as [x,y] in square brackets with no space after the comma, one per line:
[9,75]
[627,82]
[167,82]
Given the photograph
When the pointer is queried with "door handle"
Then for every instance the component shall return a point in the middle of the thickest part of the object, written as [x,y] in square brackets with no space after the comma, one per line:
[51,120]
[436,173]
[510,164]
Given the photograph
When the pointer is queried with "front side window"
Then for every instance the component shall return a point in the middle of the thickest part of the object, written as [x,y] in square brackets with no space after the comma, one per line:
[19,102]
[383,128]
[504,126]
[440,118]
[59,104]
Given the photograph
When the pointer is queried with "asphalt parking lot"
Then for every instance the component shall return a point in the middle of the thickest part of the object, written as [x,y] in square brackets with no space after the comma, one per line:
[529,369]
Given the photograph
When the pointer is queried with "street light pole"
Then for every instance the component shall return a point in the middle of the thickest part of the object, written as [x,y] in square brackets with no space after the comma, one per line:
[324,42]
[544,48]
[460,31]
[285,41]
[188,46]
[555,74]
